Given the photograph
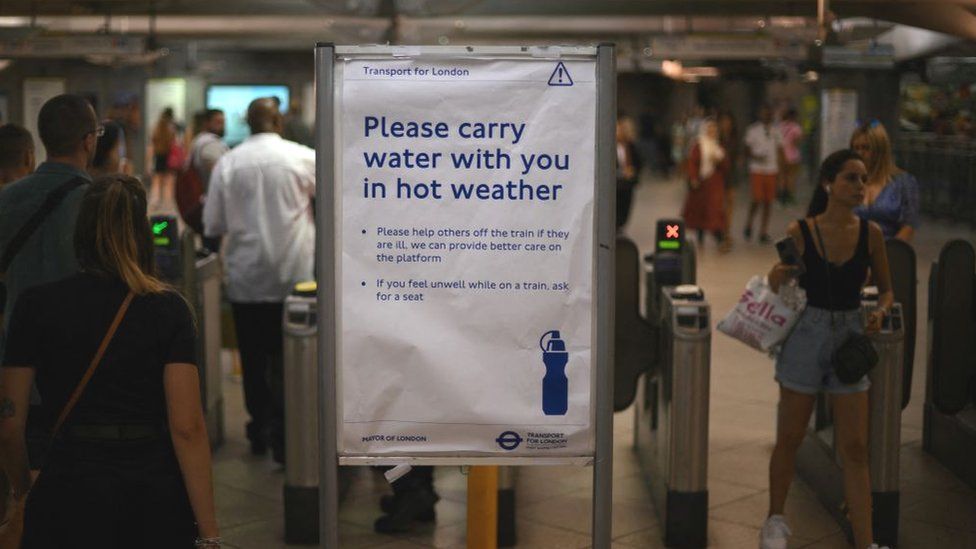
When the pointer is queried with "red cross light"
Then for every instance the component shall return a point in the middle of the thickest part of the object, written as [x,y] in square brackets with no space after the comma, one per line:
[672,231]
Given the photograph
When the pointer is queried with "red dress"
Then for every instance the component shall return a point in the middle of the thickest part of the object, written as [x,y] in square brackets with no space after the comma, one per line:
[705,206]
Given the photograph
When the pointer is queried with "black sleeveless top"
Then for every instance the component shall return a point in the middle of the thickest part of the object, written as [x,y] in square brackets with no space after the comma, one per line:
[846,280]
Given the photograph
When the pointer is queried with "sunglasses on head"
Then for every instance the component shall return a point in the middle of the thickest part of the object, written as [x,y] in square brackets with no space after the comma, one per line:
[873,123]
[99,131]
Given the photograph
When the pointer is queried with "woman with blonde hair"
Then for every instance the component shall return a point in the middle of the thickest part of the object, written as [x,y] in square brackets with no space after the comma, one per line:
[891,197]
[112,352]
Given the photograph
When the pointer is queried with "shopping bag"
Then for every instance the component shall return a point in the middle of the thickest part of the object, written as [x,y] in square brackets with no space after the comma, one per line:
[762,319]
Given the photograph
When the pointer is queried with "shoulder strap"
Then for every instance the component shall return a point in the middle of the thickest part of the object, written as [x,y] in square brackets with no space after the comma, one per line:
[863,242]
[50,203]
[94,364]
[805,231]
[823,250]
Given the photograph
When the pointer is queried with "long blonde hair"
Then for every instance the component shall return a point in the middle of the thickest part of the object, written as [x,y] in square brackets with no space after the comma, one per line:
[881,166]
[164,133]
[112,235]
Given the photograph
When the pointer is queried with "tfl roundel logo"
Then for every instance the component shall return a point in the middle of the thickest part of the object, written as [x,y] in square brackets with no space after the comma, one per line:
[509,440]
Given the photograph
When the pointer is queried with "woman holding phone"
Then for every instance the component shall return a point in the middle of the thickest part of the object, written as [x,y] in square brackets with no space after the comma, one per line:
[838,250]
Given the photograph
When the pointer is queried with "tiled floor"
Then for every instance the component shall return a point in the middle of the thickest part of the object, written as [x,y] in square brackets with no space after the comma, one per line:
[553,503]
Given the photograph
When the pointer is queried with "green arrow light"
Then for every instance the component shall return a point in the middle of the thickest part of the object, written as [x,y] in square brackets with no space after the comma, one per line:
[158,228]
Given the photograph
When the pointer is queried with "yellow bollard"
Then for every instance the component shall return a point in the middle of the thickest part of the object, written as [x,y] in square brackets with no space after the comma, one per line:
[483,507]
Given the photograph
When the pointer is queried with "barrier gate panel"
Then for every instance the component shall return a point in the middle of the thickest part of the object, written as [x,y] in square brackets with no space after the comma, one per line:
[949,429]
[671,418]
[634,337]
[952,332]
[904,281]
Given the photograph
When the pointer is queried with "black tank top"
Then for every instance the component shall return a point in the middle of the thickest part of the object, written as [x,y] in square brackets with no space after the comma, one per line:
[846,280]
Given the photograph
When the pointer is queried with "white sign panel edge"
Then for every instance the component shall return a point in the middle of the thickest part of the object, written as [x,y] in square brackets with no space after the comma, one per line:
[455,457]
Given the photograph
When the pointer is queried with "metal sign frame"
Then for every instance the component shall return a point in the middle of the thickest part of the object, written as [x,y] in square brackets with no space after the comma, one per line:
[327,246]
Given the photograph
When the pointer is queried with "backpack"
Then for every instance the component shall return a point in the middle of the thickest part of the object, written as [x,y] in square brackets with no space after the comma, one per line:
[190,196]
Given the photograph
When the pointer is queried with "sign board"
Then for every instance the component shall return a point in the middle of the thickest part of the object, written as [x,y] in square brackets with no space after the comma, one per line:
[725,47]
[838,119]
[73,46]
[465,256]
[38,91]
[871,56]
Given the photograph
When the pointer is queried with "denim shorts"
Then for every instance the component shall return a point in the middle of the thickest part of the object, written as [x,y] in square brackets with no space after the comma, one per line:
[804,365]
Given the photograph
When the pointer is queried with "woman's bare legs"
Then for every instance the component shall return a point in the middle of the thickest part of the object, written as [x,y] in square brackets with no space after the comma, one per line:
[851,425]
[155,189]
[791,426]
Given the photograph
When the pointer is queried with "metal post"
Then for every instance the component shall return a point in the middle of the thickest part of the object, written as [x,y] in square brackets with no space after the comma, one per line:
[884,438]
[301,489]
[325,269]
[690,330]
[483,507]
[506,506]
[823,8]
[606,96]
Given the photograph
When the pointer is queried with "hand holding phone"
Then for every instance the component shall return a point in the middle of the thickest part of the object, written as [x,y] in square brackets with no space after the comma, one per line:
[789,255]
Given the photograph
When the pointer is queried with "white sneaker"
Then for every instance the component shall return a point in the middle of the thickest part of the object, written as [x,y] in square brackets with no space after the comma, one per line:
[775,533]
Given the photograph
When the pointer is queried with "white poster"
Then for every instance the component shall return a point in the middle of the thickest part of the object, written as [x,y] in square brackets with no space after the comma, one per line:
[465,263]
[36,92]
[838,119]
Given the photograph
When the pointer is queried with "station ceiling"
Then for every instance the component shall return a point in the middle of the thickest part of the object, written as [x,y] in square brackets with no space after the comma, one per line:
[283,24]
[441,8]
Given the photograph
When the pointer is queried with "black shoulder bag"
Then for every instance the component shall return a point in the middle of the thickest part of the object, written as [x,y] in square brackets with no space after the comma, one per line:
[51,202]
[856,356]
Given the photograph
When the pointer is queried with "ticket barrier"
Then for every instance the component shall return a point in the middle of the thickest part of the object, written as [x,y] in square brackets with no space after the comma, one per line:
[198,276]
[671,419]
[196,272]
[301,489]
[671,264]
[818,461]
[949,427]
[168,247]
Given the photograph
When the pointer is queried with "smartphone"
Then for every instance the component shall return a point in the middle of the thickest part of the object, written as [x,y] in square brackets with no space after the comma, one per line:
[789,255]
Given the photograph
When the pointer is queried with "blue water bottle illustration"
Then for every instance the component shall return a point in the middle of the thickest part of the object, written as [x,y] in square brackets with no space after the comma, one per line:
[555,384]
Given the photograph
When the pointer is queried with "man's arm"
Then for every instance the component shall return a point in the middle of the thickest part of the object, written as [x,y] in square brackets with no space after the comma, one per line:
[214,217]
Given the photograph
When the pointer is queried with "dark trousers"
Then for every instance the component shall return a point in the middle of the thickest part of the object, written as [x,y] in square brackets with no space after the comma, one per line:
[259,338]
[418,478]
[625,196]
[111,495]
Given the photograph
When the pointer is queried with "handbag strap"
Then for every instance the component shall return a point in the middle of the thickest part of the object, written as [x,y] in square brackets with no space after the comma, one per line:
[823,251]
[96,360]
[50,203]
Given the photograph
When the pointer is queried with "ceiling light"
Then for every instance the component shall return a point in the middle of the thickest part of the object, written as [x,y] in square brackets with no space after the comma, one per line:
[701,72]
[671,69]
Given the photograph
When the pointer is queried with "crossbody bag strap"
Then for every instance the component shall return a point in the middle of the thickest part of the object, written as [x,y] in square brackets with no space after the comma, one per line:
[51,202]
[94,364]
[823,252]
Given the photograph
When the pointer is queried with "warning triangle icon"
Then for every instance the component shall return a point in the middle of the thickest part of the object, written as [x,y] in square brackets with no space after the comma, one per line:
[560,76]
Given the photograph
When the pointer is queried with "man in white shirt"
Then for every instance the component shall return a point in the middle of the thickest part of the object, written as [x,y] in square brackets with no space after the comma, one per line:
[763,151]
[260,201]
[208,146]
